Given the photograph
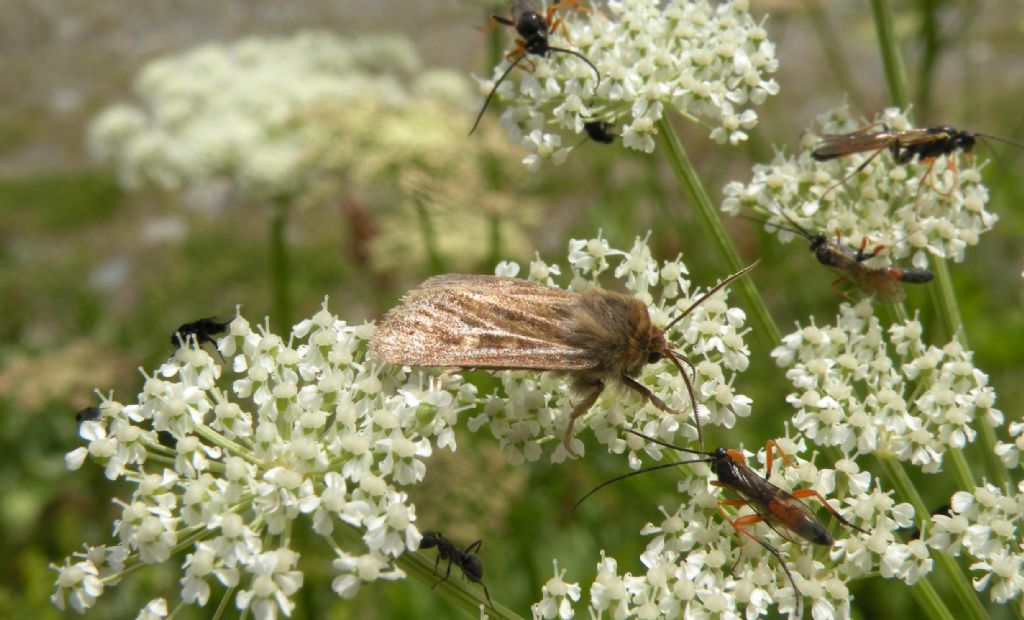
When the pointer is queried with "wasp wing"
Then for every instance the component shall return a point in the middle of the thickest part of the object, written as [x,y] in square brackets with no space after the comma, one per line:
[473,321]
[839,145]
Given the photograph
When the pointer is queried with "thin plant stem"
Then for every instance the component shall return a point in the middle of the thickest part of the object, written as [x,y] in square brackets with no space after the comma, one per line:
[281,295]
[928,599]
[943,296]
[961,587]
[467,596]
[694,191]
[435,262]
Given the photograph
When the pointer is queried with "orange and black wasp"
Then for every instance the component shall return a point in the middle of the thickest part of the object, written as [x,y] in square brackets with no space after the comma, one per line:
[880,282]
[924,144]
[533,23]
[781,510]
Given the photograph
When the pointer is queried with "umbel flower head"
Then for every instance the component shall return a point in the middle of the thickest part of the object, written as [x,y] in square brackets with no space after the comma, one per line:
[912,209]
[710,61]
[308,432]
[867,390]
[690,567]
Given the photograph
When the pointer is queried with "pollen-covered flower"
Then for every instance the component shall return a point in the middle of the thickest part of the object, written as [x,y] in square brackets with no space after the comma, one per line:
[915,209]
[531,407]
[710,61]
[867,391]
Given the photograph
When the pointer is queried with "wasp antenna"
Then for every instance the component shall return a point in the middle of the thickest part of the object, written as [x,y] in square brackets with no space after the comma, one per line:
[693,399]
[665,443]
[998,139]
[717,288]
[581,57]
[490,95]
[796,231]
[636,473]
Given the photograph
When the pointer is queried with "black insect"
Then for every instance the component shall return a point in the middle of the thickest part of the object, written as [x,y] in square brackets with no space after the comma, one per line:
[600,131]
[533,29]
[924,145]
[88,414]
[466,559]
[781,510]
[203,330]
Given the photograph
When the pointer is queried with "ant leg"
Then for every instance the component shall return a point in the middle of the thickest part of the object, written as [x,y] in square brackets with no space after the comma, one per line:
[473,547]
[807,493]
[447,573]
[584,406]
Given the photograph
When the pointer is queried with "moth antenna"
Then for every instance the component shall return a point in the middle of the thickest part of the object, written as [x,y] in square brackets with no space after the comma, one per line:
[490,95]
[665,443]
[581,57]
[636,473]
[714,290]
[693,395]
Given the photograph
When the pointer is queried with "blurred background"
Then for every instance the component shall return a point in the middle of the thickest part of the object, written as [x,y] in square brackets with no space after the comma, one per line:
[111,237]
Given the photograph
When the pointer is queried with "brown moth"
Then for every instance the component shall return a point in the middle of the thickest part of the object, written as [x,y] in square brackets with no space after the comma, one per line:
[596,337]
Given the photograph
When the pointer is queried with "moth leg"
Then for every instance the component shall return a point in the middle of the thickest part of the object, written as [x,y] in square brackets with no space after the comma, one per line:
[584,406]
[642,389]
[438,383]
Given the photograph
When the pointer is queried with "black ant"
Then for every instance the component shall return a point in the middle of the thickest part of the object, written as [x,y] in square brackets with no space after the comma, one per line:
[470,563]
[533,29]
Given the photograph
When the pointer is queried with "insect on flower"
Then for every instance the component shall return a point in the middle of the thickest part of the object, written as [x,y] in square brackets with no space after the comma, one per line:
[881,282]
[600,131]
[203,330]
[597,338]
[925,145]
[88,414]
[779,509]
[533,29]
[466,559]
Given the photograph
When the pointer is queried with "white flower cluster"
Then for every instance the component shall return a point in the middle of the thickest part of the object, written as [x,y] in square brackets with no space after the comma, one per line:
[906,208]
[710,61]
[984,524]
[691,566]
[866,392]
[531,408]
[221,113]
[307,428]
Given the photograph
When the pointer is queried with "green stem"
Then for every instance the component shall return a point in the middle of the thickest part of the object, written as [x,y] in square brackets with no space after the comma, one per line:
[961,586]
[928,599]
[466,596]
[435,262]
[892,60]
[942,292]
[281,305]
[708,215]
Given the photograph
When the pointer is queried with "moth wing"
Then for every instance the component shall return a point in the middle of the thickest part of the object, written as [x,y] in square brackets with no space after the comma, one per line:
[474,321]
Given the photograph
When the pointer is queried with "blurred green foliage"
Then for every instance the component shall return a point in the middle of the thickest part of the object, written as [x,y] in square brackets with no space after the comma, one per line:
[90,290]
